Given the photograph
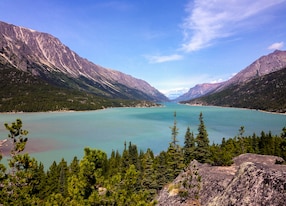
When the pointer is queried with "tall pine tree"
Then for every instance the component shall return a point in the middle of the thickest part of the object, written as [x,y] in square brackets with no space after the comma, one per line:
[202,151]
[189,146]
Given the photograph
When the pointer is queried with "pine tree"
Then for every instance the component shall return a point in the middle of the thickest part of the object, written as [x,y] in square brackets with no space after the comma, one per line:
[161,165]
[148,176]
[189,146]
[74,167]
[17,186]
[175,131]
[175,157]
[202,151]
[63,177]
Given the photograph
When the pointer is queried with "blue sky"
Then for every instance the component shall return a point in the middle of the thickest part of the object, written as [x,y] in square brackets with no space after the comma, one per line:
[170,44]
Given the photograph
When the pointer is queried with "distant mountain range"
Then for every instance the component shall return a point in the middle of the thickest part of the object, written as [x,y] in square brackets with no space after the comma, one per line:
[46,58]
[262,66]
[261,85]
[39,73]
[198,91]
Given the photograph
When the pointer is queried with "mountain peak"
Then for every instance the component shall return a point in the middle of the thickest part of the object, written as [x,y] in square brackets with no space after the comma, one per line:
[267,64]
[45,56]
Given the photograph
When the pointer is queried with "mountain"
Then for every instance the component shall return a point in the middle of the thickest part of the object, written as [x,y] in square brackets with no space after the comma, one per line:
[263,93]
[262,66]
[252,180]
[46,58]
[175,93]
[260,86]
[198,91]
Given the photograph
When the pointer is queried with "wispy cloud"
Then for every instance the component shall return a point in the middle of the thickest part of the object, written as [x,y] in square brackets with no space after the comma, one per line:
[276,46]
[211,20]
[161,59]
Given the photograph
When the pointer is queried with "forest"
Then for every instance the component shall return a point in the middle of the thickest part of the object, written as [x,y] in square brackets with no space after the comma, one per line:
[23,92]
[130,177]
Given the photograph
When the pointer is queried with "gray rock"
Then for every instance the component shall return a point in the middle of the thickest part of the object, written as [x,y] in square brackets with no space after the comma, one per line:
[252,180]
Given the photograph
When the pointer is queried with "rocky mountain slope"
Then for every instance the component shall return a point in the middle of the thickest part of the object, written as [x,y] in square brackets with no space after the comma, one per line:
[264,65]
[263,93]
[45,57]
[198,91]
[252,180]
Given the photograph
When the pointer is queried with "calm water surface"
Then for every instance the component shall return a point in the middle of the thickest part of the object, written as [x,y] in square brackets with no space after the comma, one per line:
[65,134]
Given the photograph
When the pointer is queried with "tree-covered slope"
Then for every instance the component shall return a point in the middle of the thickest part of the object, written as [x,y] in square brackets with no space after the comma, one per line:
[264,93]
[21,91]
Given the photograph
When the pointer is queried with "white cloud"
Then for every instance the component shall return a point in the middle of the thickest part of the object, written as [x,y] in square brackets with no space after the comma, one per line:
[210,20]
[276,46]
[161,59]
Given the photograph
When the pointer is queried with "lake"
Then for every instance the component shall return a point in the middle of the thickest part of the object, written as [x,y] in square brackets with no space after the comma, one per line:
[65,134]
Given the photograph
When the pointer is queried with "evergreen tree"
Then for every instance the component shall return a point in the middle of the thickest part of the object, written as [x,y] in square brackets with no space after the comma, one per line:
[175,158]
[74,167]
[53,176]
[17,186]
[202,151]
[189,146]
[175,131]
[148,177]
[161,165]
[63,177]
[92,168]
[125,160]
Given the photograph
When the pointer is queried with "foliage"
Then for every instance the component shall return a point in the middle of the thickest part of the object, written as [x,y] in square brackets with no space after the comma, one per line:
[127,178]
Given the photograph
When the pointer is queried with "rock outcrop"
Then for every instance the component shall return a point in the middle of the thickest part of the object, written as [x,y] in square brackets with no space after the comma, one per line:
[251,180]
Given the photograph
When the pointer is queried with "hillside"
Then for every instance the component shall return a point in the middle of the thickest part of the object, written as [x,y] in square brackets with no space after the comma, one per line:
[44,57]
[263,93]
[264,65]
[21,91]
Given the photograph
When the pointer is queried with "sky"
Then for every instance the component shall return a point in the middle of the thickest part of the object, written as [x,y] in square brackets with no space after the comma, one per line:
[173,45]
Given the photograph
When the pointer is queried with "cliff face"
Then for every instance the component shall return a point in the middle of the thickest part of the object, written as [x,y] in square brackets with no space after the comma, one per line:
[251,180]
[45,56]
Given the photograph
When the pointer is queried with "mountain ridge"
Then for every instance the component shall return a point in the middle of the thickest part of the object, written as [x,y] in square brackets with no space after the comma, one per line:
[265,93]
[44,55]
[264,65]
[198,91]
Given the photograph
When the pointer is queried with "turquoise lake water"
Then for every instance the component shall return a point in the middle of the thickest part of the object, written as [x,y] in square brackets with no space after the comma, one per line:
[66,134]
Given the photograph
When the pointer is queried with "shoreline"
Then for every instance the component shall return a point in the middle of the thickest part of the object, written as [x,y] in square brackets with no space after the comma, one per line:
[71,111]
[200,105]
[161,105]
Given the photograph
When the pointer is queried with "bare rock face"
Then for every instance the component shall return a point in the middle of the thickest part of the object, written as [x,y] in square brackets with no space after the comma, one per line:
[251,180]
